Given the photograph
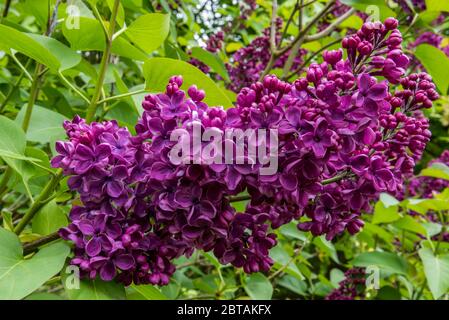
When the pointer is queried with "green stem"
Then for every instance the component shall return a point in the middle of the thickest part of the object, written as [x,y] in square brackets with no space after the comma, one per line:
[331,27]
[71,86]
[307,28]
[289,21]
[336,178]
[4,182]
[32,99]
[299,38]
[22,67]
[14,88]
[295,49]
[92,108]
[41,200]
[441,236]
[120,96]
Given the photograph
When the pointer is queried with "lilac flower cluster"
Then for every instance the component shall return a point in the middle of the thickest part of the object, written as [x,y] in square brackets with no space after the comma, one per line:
[428,37]
[352,287]
[416,5]
[426,187]
[111,230]
[344,137]
[248,63]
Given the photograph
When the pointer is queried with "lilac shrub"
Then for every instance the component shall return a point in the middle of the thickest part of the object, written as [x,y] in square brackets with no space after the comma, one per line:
[349,130]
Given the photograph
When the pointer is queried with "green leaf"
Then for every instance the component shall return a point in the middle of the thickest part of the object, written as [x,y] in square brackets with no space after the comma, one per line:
[12,155]
[12,150]
[44,50]
[371,7]
[437,5]
[44,124]
[258,287]
[43,296]
[149,292]
[410,224]
[18,276]
[436,269]
[7,220]
[424,205]
[327,247]
[353,22]
[12,141]
[37,9]
[436,170]
[387,261]
[388,293]
[49,219]
[291,230]
[432,229]
[436,64]
[388,200]
[378,231]
[383,214]
[149,31]
[281,258]
[66,57]
[336,276]
[212,60]
[122,88]
[90,36]
[95,290]
[157,72]
[293,284]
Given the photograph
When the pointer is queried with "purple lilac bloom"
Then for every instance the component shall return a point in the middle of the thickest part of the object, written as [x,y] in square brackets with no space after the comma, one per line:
[345,137]
[352,287]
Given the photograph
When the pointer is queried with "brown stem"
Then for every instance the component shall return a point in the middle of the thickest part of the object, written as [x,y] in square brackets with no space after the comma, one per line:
[34,245]
[299,38]
[307,28]
[273,26]
[6,9]
[331,27]
[338,177]
[240,198]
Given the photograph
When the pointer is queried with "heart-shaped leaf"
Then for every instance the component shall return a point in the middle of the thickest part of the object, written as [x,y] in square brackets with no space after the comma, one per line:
[436,269]
[45,50]
[19,276]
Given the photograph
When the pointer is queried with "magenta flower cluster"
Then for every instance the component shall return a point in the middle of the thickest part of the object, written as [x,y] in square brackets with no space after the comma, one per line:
[411,6]
[352,287]
[344,137]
